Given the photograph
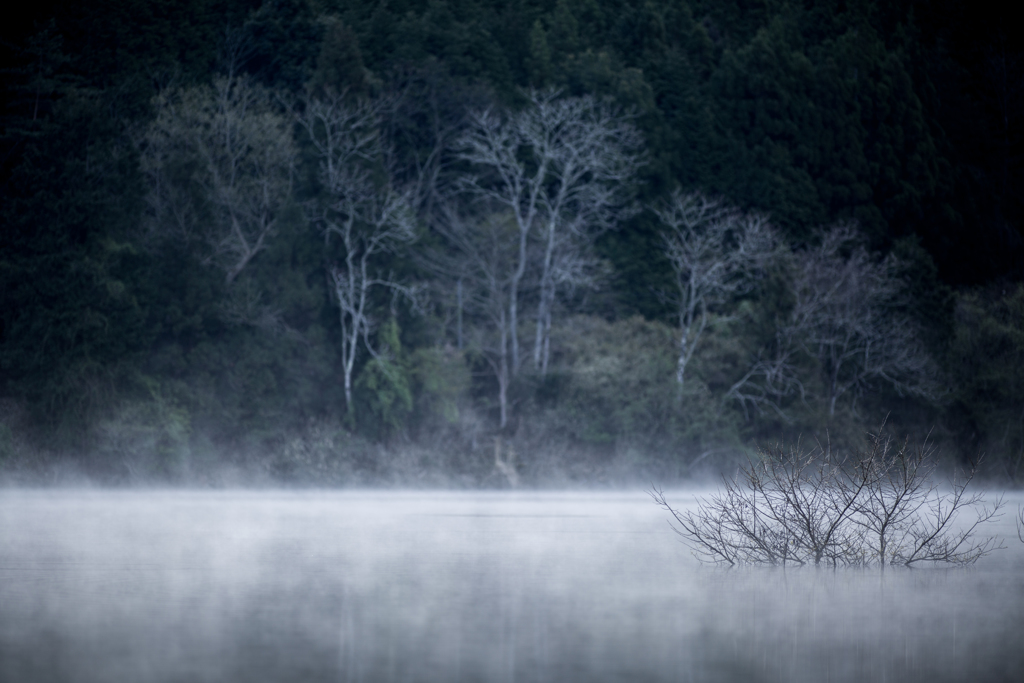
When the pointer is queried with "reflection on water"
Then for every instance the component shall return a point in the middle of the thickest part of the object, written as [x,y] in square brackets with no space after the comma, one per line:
[392,586]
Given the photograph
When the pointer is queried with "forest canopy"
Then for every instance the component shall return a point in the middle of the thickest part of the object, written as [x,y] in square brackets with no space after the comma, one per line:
[482,241]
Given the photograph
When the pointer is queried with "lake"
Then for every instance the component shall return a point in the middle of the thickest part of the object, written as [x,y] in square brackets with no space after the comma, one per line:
[368,586]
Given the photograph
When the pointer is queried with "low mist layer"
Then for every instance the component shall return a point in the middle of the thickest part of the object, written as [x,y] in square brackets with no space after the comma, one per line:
[371,586]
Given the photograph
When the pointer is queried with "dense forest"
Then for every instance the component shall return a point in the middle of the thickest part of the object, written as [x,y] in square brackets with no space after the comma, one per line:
[485,242]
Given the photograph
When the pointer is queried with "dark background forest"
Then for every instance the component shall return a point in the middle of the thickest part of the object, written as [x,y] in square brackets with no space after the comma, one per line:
[192,190]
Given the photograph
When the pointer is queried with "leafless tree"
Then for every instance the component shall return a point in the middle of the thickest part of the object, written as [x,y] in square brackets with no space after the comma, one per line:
[570,267]
[219,160]
[876,510]
[361,209]
[716,252]
[493,141]
[563,168]
[772,376]
[785,508]
[847,315]
[479,256]
[908,519]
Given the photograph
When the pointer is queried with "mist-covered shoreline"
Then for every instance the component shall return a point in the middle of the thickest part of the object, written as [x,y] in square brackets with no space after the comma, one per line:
[344,242]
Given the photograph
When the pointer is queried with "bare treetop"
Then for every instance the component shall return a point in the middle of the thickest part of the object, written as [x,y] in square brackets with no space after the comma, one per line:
[362,211]
[564,169]
[715,252]
[846,315]
[480,259]
[220,160]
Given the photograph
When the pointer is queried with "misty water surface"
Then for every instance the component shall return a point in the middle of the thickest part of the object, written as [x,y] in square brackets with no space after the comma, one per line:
[413,586]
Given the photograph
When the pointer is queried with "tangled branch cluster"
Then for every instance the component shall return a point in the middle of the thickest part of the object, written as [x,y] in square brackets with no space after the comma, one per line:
[881,509]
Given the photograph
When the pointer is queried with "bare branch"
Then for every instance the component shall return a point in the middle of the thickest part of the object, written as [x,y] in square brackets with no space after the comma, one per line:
[365,217]
[480,257]
[847,316]
[715,252]
[220,161]
[880,509]
[563,169]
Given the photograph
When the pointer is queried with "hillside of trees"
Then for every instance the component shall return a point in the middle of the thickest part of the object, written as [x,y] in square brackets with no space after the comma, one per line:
[492,242]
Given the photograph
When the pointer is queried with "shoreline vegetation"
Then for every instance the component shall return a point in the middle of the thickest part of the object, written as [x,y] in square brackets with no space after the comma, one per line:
[482,243]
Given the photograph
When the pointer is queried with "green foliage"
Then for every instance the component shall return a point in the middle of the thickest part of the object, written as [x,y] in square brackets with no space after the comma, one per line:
[340,63]
[538,64]
[987,360]
[70,279]
[930,302]
[441,381]
[280,44]
[144,440]
[619,380]
[118,332]
[7,448]
[614,386]
[383,392]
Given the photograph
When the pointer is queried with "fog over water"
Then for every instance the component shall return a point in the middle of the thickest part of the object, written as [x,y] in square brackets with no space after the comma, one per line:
[461,586]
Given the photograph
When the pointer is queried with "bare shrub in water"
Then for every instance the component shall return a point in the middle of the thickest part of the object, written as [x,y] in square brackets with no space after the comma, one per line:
[883,508]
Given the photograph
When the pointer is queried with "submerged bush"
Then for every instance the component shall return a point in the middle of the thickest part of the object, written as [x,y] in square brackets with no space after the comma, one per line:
[882,508]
